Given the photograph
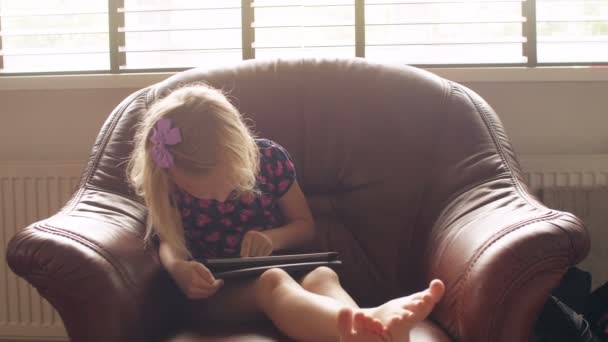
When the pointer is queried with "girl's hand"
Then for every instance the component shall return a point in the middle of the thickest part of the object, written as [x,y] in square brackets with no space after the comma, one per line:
[194,279]
[256,244]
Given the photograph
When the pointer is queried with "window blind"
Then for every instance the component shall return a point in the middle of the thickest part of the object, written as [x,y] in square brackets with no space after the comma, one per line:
[445,31]
[147,35]
[53,35]
[572,31]
[304,28]
[179,33]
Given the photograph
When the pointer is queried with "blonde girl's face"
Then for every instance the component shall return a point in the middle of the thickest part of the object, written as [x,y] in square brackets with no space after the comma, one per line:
[215,185]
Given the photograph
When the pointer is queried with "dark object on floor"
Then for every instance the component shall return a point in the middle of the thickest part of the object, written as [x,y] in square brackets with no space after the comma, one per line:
[574,289]
[596,311]
[573,313]
[559,323]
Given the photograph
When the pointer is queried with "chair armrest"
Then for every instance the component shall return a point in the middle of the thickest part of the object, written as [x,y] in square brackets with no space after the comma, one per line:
[89,261]
[500,253]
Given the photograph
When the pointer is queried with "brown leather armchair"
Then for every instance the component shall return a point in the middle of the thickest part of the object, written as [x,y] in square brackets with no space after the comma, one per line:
[409,176]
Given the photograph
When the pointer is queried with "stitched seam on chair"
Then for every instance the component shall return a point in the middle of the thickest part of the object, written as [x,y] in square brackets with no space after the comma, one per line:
[465,190]
[301,87]
[93,246]
[468,188]
[500,149]
[508,229]
[448,92]
[96,188]
[580,223]
[106,137]
[495,238]
[519,280]
[91,170]
[565,232]
[49,294]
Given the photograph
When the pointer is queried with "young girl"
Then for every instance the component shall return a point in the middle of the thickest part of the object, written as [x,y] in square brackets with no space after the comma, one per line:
[213,190]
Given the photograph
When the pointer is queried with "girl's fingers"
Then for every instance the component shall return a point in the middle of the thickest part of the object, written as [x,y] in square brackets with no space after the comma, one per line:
[203,272]
[264,243]
[260,244]
[246,246]
[217,284]
[255,244]
[268,250]
[200,283]
[208,291]
[257,248]
[206,288]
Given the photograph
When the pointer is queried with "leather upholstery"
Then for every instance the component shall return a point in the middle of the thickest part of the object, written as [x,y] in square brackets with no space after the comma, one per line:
[409,176]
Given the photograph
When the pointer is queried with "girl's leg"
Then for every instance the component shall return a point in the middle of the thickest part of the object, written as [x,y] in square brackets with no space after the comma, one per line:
[300,314]
[325,282]
[235,300]
[307,316]
[353,324]
[357,325]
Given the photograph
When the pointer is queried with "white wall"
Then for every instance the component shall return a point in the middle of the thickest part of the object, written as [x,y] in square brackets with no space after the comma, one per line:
[541,117]
[551,117]
[53,125]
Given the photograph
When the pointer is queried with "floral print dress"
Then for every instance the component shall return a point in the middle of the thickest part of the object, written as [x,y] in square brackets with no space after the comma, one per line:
[215,229]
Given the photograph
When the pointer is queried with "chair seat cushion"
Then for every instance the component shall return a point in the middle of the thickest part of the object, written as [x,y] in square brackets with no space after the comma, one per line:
[426,331]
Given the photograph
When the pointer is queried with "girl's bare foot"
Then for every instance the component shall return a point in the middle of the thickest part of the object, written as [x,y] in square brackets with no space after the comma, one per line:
[398,316]
[358,327]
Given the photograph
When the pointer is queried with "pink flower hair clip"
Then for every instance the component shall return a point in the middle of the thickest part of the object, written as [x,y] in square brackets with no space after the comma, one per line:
[162,136]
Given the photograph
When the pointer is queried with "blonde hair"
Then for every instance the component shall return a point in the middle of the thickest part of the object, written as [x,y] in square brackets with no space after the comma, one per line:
[212,130]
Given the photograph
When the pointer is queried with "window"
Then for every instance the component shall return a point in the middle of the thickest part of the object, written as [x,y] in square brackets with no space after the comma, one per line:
[304,28]
[572,31]
[53,35]
[114,36]
[445,32]
[179,33]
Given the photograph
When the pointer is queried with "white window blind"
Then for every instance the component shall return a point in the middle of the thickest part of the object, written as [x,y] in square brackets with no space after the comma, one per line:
[144,35]
[180,33]
[53,35]
[304,28]
[445,32]
[572,31]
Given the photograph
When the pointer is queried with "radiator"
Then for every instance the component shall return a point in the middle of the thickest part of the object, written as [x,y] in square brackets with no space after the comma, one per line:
[30,192]
[565,171]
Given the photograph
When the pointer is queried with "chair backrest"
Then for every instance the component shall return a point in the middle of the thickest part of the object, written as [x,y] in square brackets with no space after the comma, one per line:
[379,151]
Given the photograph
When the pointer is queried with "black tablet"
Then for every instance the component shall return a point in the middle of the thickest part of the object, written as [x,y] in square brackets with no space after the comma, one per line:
[235,267]
[293,269]
[227,264]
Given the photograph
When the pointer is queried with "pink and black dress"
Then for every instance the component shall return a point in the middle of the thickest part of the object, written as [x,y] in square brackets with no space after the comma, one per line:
[214,229]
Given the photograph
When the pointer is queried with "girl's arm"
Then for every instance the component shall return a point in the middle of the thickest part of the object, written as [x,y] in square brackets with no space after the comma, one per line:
[193,278]
[169,257]
[299,228]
